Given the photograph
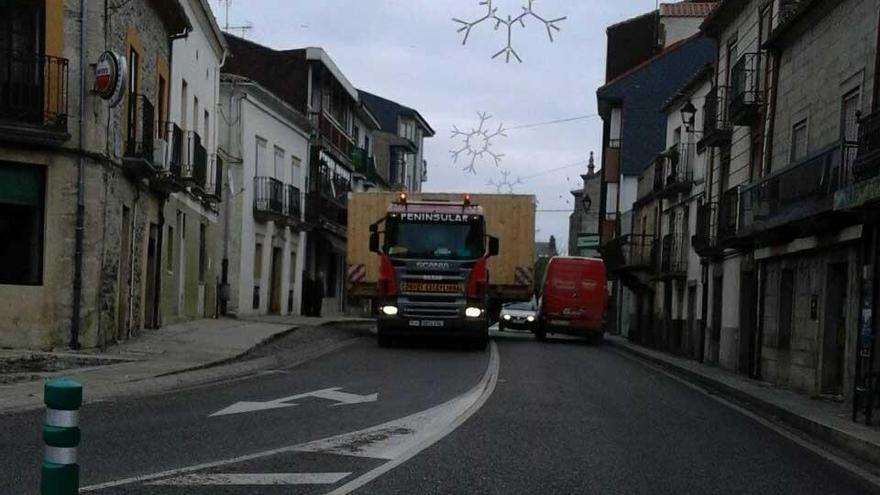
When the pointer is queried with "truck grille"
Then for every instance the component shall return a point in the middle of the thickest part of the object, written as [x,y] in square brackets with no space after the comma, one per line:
[431,308]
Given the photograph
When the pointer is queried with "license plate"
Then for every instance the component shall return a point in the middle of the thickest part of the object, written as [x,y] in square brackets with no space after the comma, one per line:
[426,323]
[560,323]
[432,287]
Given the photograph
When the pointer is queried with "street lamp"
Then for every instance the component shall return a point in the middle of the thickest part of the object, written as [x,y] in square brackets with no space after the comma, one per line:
[586,202]
[688,115]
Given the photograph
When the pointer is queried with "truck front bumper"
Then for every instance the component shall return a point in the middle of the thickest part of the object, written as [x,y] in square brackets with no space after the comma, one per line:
[456,328]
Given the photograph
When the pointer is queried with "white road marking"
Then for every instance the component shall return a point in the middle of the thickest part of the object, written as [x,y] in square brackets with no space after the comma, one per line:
[243,479]
[334,394]
[485,388]
[480,394]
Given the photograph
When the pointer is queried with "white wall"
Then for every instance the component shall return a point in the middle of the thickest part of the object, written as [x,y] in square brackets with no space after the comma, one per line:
[629,192]
[676,29]
[258,118]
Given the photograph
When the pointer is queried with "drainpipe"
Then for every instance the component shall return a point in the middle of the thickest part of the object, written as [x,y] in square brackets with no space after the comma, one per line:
[80,186]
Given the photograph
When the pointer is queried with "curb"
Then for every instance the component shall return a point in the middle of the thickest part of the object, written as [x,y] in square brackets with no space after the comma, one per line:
[853,446]
[220,362]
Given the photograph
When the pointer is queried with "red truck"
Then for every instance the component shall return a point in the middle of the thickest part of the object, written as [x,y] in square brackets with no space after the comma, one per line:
[574,298]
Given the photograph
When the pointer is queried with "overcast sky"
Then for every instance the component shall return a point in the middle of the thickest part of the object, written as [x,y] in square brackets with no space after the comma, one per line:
[409,51]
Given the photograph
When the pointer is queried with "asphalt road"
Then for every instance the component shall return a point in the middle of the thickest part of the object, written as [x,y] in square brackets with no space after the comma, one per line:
[564,417]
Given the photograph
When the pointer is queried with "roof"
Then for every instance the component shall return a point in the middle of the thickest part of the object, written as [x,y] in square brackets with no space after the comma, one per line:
[173,15]
[671,48]
[689,87]
[387,112]
[640,94]
[270,99]
[687,9]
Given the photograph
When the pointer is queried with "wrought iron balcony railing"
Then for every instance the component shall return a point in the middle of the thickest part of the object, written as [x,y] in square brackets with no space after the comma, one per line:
[717,128]
[747,89]
[705,239]
[34,90]
[676,167]
[673,260]
[140,130]
[268,196]
[867,161]
[293,200]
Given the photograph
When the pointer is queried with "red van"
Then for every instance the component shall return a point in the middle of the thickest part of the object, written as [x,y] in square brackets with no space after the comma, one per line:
[574,297]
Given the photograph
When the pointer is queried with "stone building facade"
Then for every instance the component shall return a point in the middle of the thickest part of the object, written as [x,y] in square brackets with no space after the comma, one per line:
[583,223]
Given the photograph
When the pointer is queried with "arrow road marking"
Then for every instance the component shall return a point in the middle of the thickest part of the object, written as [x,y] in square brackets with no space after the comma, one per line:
[334,394]
[244,479]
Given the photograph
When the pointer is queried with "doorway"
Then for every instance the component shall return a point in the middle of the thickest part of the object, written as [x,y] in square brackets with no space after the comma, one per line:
[691,343]
[275,282]
[669,340]
[151,303]
[834,333]
[123,293]
[747,323]
[717,291]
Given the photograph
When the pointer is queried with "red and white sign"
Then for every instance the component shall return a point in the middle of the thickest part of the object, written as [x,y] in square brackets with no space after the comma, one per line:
[110,72]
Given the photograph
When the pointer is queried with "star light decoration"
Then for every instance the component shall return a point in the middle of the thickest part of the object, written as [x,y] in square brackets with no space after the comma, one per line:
[506,185]
[508,23]
[477,143]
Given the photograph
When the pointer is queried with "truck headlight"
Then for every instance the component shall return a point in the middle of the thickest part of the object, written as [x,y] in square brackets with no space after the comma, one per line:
[506,317]
[530,318]
[473,312]
[389,310]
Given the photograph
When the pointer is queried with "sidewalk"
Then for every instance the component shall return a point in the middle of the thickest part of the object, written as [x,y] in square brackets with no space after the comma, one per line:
[157,359]
[825,421]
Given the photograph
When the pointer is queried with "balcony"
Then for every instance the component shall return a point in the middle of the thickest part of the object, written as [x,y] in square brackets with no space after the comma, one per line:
[269,199]
[334,133]
[705,240]
[727,216]
[796,200]
[747,89]
[867,161]
[293,203]
[214,187]
[33,99]
[328,213]
[168,158]
[140,134]
[717,130]
[334,186]
[632,259]
[673,258]
[365,165]
[676,170]
[194,169]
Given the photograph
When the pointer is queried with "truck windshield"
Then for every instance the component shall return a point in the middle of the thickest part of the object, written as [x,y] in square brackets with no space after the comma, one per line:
[434,240]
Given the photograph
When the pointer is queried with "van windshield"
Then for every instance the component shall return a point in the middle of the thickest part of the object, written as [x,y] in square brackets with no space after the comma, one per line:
[435,240]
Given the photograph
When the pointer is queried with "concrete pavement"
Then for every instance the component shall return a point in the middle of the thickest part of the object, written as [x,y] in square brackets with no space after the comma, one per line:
[172,356]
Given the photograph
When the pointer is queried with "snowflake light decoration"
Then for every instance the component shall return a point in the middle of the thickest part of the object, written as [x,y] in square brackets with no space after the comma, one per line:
[508,23]
[505,185]
[477,143]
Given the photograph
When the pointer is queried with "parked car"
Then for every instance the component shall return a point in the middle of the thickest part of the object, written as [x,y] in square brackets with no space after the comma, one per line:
[520,316]
[574,298]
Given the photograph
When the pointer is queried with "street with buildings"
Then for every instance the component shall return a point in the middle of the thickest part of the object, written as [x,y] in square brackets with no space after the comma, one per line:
[184,233]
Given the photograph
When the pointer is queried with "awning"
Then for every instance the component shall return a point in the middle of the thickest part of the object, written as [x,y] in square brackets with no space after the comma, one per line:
[21,184]
[336,243]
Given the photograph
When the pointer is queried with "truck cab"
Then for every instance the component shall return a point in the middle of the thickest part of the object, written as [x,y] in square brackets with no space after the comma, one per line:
[433,273]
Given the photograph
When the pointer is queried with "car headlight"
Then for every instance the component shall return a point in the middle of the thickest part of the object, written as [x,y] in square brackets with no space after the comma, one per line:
[473,312]
[530,318]
[389,310]
[506,317]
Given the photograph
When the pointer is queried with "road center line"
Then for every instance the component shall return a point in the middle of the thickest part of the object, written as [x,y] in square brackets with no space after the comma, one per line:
[477,396]
[240,479]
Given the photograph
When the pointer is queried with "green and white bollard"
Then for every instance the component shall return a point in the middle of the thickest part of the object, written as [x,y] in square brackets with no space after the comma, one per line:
[60,473]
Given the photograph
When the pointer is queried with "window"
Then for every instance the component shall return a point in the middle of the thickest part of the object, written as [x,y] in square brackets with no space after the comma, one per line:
[849,132]
[132,89]
[367,144]
[295,171]
[732,54]
[260,157]
[184,97]
[162,95]
[203,253]
[799,141]
[21,224]
[279,163]
[786,308]
[195,114]
[169,255]
[356,134]
[206,138]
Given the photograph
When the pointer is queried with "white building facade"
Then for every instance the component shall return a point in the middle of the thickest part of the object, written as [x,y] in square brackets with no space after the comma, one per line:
[265,144]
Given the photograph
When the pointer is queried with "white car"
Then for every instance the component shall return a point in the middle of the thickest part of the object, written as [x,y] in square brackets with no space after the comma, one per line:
[521,316]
